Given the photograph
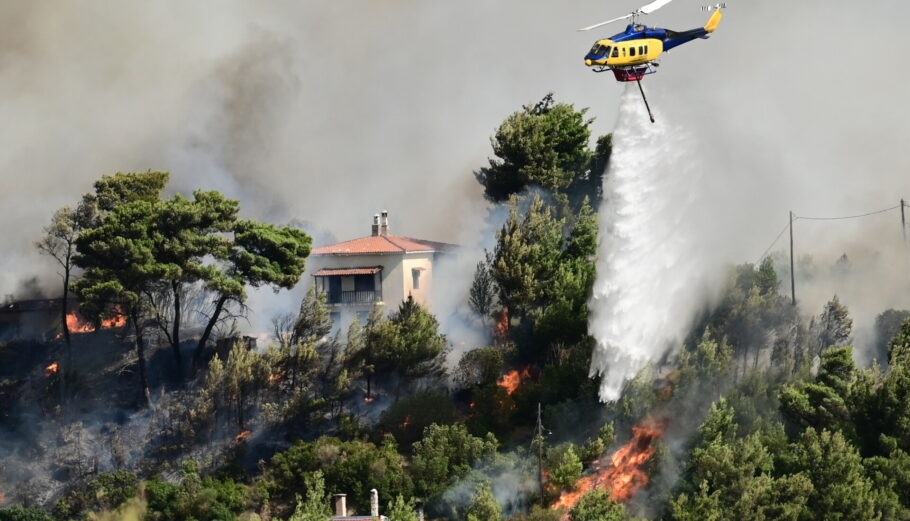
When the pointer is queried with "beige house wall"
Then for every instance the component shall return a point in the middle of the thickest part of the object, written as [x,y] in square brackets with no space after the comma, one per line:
[423,263]
[397,280]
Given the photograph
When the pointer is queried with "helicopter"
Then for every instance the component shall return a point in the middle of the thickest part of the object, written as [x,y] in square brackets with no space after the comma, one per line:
[633,53]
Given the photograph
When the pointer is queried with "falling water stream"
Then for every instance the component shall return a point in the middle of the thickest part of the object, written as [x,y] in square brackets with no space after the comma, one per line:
[648,273]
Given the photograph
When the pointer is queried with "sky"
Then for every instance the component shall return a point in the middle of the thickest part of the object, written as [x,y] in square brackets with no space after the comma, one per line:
[327,112]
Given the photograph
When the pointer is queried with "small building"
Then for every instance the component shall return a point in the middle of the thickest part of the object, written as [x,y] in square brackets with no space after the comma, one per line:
[37,319]
[380,269]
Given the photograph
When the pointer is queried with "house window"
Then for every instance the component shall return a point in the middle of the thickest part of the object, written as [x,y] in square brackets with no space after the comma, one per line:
[415,275]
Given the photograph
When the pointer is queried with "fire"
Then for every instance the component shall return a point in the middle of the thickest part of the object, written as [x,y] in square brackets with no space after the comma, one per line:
[242,435]
[277,377]
[116,321]
[369,399]
[51,370]
[2,497]
[623,475]
[512,380]
[407,422]
[502,325]
[76,325]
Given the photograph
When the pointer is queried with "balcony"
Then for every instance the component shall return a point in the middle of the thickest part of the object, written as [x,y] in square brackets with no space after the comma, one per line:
[354,297]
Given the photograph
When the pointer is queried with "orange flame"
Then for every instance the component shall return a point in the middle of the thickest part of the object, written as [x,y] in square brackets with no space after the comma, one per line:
[512,380]
[407,422]
[369,399]
[114,322]
[76,325]
[242,435]
[502,326]
[51,370]
[623,475]
[2,497]
[277,377]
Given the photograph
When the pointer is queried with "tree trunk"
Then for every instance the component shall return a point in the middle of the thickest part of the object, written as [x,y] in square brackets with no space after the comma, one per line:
[140,354]
[175,335]
[66,293]
[66,332]
[200,347]
[240,409]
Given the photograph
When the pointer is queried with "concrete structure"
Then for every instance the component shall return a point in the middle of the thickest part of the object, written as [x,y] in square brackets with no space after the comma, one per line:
[381,269]
[341,509]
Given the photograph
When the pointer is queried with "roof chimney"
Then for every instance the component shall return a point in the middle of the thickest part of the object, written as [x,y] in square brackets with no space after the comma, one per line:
[341,507]
[384,223]
[374,496]
[375,225]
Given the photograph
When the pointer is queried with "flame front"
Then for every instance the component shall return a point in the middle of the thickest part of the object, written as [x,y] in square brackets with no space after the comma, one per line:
[502,326]
[242,435]
[115,321]
[76,325]
[512,380]
[51,370]
[623,475]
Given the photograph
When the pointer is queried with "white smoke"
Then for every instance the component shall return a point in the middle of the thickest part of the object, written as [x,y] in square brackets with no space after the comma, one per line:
[651,276]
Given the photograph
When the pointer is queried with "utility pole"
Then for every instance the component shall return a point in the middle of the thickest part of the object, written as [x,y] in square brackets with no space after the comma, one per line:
[792,270]
[903,222]
[538,438]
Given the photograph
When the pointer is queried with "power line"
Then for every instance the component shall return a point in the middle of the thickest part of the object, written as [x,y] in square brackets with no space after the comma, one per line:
[793,218]
[779,235]
[836,218]
[796,218]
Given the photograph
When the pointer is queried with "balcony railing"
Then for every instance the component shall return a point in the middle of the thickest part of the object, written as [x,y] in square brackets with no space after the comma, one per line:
[354,297]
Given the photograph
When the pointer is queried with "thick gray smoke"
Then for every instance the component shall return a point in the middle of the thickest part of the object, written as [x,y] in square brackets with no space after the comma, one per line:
[326,112]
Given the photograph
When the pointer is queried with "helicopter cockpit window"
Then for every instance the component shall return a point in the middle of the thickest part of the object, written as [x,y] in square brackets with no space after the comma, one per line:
[616,52]
[606,50]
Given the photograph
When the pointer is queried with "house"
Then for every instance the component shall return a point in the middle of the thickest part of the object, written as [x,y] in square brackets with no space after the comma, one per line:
[381,268]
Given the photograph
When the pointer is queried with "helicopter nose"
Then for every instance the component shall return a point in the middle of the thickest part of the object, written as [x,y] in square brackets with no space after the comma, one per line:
[588,62]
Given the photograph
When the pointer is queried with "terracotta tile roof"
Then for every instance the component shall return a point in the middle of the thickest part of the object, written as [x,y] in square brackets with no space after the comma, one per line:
[347,271]
[389,244]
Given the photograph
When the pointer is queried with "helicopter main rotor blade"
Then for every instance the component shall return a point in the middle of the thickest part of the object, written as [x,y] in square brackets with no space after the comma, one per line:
[653,6]
[588,28]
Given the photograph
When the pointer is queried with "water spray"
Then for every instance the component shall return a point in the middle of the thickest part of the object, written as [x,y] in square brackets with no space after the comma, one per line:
[649,263]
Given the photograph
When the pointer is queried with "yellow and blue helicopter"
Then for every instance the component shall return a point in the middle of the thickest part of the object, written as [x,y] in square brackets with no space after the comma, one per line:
[633,53]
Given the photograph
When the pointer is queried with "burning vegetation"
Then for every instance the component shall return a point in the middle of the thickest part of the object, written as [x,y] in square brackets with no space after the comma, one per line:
[535,298]
[51,370]
[624,473]
[513,380]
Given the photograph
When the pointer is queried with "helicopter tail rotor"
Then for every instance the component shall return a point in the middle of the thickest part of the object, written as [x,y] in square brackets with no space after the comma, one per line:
[715,7]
